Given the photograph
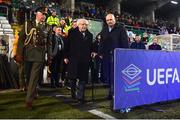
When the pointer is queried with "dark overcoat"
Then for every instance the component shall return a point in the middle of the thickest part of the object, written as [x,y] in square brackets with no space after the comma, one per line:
[116,38]
[79,54]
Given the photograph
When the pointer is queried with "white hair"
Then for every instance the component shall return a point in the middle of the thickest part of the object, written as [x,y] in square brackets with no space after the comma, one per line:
[82,20]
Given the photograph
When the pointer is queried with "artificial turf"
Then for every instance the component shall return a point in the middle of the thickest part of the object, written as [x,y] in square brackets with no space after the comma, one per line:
[48,106]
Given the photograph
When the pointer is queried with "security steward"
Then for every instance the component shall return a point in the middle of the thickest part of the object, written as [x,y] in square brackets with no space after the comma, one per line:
[32,46]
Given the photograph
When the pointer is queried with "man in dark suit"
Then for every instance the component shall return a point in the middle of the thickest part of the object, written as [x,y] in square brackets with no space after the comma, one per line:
[113,36]
[155,45]
[77,57]
[31,48]
[138,44]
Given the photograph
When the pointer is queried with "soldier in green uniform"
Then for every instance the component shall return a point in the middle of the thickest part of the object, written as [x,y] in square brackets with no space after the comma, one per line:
[32,46]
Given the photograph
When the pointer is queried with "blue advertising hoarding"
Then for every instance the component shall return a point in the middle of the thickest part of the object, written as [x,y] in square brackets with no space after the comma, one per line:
[145,77]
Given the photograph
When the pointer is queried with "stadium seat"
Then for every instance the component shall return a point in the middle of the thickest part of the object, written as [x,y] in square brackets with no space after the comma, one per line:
[8,31]
[1,30]
[4,21]
[1,33]
[2,18]
[6,26]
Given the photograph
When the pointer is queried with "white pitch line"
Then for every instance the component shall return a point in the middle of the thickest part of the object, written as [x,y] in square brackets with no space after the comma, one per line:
[62,95]
[101,114]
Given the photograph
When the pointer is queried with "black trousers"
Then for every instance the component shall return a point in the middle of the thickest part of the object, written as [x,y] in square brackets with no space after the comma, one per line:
[55,70]
[79,81]
[108,72]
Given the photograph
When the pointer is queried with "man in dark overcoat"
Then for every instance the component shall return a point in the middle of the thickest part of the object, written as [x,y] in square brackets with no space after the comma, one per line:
[113,36]
[78,57]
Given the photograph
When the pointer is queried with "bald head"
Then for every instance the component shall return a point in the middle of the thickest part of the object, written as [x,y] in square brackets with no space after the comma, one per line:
[82,24]
[110,20]
[39,17]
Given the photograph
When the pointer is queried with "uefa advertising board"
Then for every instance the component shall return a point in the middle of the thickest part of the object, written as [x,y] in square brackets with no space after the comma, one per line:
[145,77]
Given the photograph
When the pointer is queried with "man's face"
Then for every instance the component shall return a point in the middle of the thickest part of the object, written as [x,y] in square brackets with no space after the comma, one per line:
[155,40]
[40,17]
[46,9]
[110,20]
[74,24]
[58,31]
[82,25]
[54,14]
[138,39]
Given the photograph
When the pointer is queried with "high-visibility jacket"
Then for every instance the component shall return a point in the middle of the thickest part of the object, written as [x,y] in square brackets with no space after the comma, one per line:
[52,20]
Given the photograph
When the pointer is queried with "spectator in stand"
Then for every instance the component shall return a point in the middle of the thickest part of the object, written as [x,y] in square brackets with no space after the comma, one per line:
[64,27]
[53,19]
[145,38]
[163,30]
[74,25]
[47,13]
[155,45]
[138,44]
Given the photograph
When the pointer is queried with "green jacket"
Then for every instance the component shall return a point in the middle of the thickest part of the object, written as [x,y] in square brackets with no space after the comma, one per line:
[33,44]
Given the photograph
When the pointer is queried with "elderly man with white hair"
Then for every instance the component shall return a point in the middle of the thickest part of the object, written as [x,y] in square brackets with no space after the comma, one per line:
[77,57]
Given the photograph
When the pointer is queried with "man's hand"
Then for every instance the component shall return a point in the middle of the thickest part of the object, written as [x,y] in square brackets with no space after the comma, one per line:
[93,54]
[66,61]
[18,59]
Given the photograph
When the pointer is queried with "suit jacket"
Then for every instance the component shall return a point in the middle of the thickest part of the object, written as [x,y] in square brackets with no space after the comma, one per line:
[117,38]
[35,50]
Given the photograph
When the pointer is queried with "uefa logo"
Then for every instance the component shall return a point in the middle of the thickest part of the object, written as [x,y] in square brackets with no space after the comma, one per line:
[131,78]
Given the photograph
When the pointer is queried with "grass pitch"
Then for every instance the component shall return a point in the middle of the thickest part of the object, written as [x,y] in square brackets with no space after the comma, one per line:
[57,103]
